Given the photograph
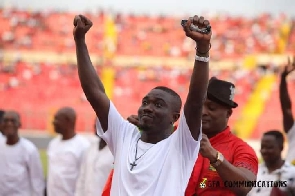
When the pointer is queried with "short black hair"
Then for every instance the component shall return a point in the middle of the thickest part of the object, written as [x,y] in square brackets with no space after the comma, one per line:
[278,135]
[17,114]
[178,103]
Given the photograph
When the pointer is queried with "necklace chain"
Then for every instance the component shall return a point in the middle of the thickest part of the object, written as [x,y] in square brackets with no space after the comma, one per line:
[135,156]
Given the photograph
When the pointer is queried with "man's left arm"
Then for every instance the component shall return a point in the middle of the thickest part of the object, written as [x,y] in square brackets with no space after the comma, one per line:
[238,172]
[200,76]
[244,167]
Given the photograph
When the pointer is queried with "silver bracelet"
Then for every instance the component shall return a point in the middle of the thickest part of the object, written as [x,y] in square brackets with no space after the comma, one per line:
[202,59]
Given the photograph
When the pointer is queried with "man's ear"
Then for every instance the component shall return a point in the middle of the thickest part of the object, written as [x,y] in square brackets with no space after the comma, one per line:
[229,112]
[175,117]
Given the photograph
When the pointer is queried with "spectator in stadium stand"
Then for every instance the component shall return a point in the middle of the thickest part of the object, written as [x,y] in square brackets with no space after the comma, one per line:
[1,132]
[235,160]
[286,105]
[95,168]
[274,168]
[21,170]
[65,153]
[143,160]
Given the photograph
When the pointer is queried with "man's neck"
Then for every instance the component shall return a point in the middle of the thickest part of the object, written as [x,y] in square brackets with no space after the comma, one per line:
[211,134]
[12,140]
[272,166]
[68,136]
[154,138]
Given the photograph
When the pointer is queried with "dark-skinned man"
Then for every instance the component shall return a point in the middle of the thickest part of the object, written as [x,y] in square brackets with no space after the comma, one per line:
[65,154]
[21,172]
[286,106]
[144,160]
[274,168]
[224,158]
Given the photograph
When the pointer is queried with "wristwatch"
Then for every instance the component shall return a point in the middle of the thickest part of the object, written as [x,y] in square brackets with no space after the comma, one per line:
[219,160]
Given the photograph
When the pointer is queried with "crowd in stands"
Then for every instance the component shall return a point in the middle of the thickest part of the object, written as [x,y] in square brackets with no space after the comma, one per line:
[141,35]
[29,86]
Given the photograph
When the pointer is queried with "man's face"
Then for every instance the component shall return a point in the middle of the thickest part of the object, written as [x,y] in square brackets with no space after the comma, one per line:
[270,149]
[10,124]
[214,117]
[155,112]
[59,123]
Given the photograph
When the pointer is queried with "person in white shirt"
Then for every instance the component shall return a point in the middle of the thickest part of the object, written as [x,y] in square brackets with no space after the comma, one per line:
[21,171]
[95,168]
[153,161]
[286,106]
[274,168]
[65,154]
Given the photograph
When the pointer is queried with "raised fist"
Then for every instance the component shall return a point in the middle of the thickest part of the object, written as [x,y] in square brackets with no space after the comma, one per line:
[202,40]
[290,67]
[81,26]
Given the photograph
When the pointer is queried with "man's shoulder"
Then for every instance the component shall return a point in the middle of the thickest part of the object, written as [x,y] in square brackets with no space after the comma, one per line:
[55,140]
[241,146]
[81,142]
[28,145]
[238,142]
[82,139]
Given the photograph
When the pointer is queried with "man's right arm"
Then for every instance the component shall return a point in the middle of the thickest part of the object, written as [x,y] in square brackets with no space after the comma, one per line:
[90,81]
[285,100]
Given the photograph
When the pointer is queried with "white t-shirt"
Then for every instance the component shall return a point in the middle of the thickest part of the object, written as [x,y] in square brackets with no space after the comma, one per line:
[95,169]
[64,162]
[287,172]
[21,171]
[163,169]
[291,143]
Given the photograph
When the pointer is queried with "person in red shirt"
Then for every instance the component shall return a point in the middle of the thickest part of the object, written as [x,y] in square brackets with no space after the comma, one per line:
[224,159]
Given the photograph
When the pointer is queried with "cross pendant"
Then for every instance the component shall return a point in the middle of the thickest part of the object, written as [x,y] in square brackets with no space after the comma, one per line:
[132,165]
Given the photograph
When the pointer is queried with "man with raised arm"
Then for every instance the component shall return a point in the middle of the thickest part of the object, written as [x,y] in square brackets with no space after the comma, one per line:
[286,106]
[153,161]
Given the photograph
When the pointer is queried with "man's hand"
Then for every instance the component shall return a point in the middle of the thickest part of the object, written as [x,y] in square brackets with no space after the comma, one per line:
[207,150]
[81,26]
[133,119]
[290,67]
[202,40]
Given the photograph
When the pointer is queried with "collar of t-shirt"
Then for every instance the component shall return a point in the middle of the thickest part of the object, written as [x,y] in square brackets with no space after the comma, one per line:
[220,136]
[285,168]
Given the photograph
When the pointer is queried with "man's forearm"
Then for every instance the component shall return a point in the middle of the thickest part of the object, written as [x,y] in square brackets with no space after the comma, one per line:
[230,174]
[284,95]
[87,74]
[196,95]
[199,81]
[198,84]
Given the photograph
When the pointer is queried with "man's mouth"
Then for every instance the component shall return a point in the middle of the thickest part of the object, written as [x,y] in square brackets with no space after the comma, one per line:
[146,115]
[205,121]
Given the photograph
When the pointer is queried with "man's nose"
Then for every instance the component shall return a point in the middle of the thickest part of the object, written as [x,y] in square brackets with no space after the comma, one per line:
[148,108]
[204,111]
